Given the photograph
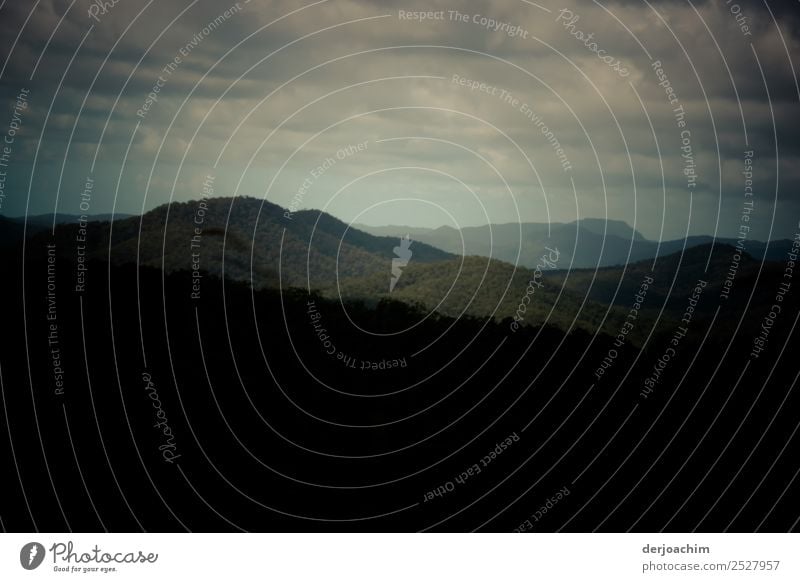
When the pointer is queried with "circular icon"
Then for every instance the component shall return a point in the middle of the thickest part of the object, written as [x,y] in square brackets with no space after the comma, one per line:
[31,555]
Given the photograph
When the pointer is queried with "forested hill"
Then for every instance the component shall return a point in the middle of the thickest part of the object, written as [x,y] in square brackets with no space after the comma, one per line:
[242,238]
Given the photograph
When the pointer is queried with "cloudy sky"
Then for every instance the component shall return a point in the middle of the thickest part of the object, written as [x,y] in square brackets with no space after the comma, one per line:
[273,98]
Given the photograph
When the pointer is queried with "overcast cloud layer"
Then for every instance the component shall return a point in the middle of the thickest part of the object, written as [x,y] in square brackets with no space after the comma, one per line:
[262,96]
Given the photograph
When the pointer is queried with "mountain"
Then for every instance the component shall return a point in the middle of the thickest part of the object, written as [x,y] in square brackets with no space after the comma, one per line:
[483,287]
[243,239]
[524,243]
[592,299]
[618,228]
[582,243]
[250,240]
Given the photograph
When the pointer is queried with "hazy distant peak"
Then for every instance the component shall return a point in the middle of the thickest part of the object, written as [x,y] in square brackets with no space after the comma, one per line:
[610,227]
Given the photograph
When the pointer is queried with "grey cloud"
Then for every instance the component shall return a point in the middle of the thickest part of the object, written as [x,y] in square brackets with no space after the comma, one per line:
[586,95]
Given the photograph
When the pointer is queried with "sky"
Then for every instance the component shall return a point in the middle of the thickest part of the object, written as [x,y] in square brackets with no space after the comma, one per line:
[678,117]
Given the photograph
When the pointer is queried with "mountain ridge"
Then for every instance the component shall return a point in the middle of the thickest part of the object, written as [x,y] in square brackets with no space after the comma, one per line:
[583,246]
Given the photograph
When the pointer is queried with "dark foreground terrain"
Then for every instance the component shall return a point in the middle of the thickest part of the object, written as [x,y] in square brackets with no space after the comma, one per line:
[160,401]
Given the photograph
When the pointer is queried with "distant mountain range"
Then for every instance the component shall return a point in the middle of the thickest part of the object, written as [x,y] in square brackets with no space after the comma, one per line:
[45,220]
[250,240]
[584,244]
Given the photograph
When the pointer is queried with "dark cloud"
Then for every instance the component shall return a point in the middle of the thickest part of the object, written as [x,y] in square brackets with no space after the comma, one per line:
[251,93]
